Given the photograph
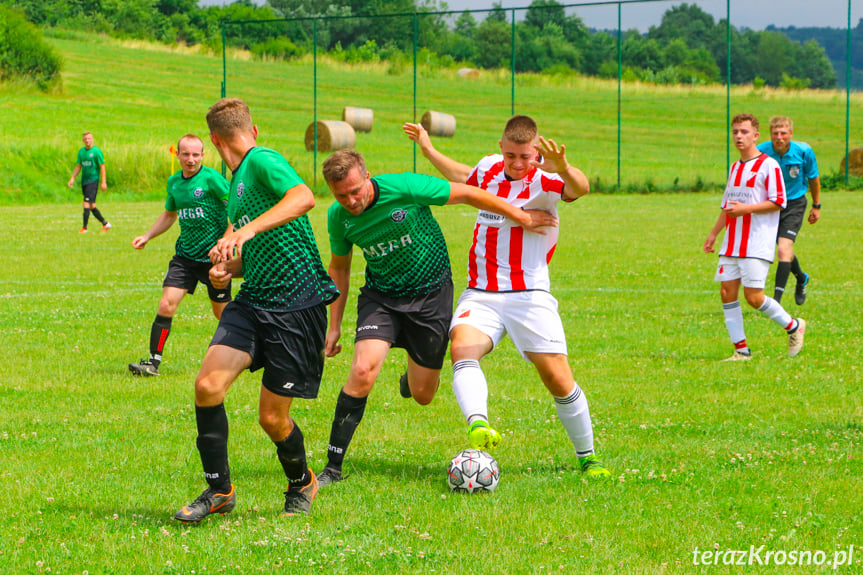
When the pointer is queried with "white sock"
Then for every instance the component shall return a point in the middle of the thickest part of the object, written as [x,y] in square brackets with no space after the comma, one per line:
[734,321]
[574,414]
[471,389]
[774,310]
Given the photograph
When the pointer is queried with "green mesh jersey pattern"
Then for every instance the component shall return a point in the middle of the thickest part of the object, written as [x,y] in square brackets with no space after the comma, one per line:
[90,161]
[404,248]
[282,268]
[200,205]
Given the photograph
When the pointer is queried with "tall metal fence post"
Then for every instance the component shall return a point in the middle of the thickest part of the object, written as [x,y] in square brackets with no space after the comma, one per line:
[848,96]
[224,83]
[315,101]
[619,83]
[416,42]
[512,67]
[728,86]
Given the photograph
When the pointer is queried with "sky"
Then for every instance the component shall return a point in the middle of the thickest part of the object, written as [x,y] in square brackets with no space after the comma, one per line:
[755,14]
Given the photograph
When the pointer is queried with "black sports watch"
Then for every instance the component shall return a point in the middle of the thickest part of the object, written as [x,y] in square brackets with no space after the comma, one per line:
[816,206]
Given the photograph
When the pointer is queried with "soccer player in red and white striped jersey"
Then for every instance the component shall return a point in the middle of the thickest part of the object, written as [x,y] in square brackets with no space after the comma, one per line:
[508,281]
[750,216]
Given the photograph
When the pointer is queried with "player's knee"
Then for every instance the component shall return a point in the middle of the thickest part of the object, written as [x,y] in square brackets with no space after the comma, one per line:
[167,308]
[208,390]
[274,424]
[362,376]
[755,300]
[425,395]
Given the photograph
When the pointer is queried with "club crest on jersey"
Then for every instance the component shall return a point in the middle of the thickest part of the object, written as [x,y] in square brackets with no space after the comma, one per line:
[398,216]
[794,171]
[198,192]
[240,188]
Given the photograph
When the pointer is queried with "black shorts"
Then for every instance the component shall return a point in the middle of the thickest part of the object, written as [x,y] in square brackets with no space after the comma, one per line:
[185,274]
[791,218]
[90,190]
[419,325]
[289,345]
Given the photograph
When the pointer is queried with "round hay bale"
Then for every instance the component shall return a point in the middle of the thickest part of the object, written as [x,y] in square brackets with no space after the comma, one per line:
[332,135]
[360,119]
[438,124]
[855,167]
[468,73]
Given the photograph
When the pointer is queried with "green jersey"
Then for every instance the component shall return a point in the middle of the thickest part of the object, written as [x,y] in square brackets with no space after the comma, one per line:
[282,268]
[404,248]
[200,205]
[90,161]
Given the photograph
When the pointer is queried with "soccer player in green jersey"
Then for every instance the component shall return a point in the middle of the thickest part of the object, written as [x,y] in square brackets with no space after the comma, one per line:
[277,321]
[197,196]
[407,298]
[91,165]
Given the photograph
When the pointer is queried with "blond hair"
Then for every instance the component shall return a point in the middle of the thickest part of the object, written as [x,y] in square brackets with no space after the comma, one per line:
[781,122]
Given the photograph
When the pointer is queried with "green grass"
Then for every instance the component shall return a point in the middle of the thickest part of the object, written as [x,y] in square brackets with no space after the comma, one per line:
[138,99]
[94,462]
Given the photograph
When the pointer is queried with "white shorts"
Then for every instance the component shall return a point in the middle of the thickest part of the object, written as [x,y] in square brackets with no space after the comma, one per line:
[751,271]
[529,317]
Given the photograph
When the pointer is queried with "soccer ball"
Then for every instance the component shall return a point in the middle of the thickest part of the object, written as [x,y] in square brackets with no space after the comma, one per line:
[473,470]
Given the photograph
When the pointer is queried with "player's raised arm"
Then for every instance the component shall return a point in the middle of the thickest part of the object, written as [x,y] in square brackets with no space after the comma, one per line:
[452,170]
[531,220]
[553,159]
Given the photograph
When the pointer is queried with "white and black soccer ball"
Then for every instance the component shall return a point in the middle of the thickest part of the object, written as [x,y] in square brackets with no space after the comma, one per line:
[473,470]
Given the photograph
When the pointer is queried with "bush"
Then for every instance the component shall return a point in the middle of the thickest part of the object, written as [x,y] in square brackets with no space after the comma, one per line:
[277,49]
[24,54]
[796,84]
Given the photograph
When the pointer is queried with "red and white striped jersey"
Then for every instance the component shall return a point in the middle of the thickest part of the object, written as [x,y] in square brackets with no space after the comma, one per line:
[752,182]
[504,256]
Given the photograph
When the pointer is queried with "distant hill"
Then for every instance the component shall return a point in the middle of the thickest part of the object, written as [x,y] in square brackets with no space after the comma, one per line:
[834,41]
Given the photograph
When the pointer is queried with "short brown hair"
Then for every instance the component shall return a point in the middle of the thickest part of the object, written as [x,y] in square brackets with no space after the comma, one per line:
[190,137]
[229,115]
[520,130]
[740,118]
[87,132]
[781,121]
[337,166]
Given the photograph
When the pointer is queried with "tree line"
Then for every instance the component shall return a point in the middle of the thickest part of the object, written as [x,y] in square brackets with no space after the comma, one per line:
[688,46]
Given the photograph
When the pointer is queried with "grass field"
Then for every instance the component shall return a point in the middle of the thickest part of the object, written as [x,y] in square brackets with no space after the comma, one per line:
[704,455]
[139,99]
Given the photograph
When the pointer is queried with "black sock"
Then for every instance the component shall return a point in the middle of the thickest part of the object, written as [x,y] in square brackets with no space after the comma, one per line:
[86,217]
[349,413]
[782,271]
[158,336]
[213,445]
[98,216]
[292,455]
[796,270]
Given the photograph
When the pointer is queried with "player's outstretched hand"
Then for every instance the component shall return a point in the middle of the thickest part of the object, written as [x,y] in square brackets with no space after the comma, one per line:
[139,242]
[552,156]
[540,219]
[418,134]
